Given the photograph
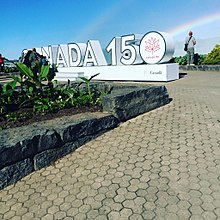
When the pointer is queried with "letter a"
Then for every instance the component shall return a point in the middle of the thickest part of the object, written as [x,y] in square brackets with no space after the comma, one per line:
[94,55]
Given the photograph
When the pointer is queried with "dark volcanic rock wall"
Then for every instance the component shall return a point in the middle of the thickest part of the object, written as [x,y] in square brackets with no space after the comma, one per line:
[29,148]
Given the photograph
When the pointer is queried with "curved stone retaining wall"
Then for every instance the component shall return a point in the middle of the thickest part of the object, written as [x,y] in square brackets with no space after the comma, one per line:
[29,148]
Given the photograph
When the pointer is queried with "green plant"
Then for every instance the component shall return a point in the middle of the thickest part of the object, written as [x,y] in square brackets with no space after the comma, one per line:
[42,106]
[41,97]
[90,94]
[17,116]
[9,97]
[100,97]
[182,60]
[213,57]
[198,59]
[202,58]
[28,78]
[30,90]
[12,116]
[69,97]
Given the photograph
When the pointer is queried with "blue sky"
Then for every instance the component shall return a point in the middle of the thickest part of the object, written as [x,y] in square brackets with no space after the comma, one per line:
[28,24]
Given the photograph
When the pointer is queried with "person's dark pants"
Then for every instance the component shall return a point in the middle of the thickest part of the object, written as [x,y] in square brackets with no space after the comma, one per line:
[35,70]
[1,67]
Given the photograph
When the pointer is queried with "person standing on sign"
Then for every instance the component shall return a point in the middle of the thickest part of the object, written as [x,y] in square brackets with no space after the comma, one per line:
[191,42]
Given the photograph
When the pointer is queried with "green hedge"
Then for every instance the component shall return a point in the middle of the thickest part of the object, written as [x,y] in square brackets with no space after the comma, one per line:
[212,58]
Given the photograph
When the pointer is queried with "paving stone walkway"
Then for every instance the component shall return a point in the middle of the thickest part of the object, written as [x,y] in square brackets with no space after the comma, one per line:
[164,164]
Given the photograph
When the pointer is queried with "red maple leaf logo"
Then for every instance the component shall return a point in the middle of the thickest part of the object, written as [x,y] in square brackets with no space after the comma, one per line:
[152,45]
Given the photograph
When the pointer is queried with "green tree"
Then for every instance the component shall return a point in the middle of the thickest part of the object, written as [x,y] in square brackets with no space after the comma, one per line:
[213,57]
[182,60]
[201,59]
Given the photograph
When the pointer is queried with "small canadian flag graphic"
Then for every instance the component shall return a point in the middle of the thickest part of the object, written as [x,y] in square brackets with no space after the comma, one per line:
[152,45]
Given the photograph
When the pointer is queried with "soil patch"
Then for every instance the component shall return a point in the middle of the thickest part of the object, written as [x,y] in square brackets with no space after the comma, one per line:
[4,124]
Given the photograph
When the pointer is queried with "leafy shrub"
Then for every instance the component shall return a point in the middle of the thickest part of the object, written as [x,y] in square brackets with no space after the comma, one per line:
[201,59]
[213,57]
[198,59]
[42,95]
[182,60]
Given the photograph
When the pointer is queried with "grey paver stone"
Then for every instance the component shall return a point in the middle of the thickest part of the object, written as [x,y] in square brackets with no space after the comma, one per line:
[116,206]
[209,215]
[114,215]
[40,213]
[92,214]
[27,215]
[65,206]
[171,216]
[136,217]
[125,213]
[196,217]
[184,214]
[119,198]
[53,209]
[9,214]
[196,210]
[104,210]
[48,217]
[101,217]
[80,216]
[208,206]
[148,214]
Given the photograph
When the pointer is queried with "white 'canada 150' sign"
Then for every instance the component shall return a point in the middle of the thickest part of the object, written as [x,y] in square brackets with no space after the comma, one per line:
[152,48]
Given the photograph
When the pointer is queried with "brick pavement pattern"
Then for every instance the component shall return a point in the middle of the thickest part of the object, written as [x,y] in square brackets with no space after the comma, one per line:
[164,164]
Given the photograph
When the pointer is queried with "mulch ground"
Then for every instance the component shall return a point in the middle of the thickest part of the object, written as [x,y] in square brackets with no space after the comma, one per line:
[4,124]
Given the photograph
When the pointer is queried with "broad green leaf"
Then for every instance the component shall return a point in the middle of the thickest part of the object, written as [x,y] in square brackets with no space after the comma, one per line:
[16,78]
[9,86]
[84,79]
[25,70]
[44,71]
